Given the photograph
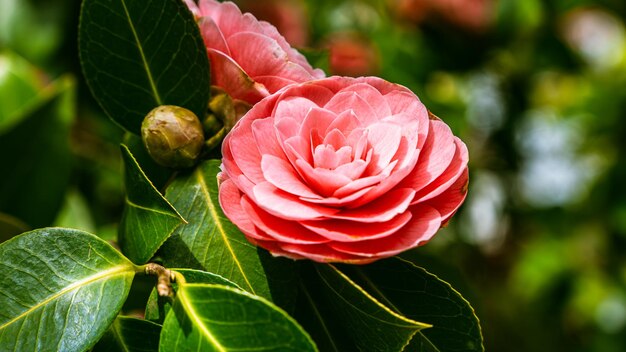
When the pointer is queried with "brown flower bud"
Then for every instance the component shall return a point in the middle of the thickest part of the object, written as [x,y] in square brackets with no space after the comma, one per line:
[173,136]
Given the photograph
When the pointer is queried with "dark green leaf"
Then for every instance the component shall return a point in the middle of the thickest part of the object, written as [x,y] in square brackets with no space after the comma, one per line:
[369,323]
[157,306]
[130,335]
[60,290]
[210,242]
[378,299]
[218,318]
[36,150]
[157,174]
[137,55]
[397,283]
[148,218]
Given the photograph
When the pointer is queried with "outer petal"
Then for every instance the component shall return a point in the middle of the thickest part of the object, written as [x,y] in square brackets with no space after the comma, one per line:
[449,201]
[279,229]
[228,75]
[424,224]
[351,231]
[230,201]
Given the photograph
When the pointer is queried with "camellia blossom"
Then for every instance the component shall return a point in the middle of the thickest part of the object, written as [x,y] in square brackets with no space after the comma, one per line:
[341,170]
[249,58]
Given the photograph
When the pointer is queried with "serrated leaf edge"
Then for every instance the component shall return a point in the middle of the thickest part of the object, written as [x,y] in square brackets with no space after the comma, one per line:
[417,324]
[480,330]
[129,202]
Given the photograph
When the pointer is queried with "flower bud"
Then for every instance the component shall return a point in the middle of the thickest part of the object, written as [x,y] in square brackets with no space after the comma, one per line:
[173,136]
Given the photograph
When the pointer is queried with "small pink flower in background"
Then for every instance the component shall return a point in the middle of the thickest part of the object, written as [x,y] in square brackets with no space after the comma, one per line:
[473,15]
[341,170]
[289,17]
[351,55]
[249,58]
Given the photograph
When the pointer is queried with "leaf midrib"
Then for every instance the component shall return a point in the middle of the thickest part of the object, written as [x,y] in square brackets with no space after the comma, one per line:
[218,223]
[114,271]
[410,322]
[157,97]
[193,315]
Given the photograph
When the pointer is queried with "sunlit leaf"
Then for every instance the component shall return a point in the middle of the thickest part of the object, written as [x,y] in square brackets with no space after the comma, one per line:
[36,152]
[148,219]
[137,55]
[128,334]
[209,317]
[157,307]
[210,242]
[61,289]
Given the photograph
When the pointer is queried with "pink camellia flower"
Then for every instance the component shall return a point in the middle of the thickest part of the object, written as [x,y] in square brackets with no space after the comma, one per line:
[249,58]
[341,170]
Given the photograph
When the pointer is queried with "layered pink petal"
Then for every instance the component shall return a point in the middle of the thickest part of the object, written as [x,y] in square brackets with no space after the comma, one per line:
[349,231]
[280,173]
[436,156]
[279,229]
[448,177]
[285,205]
[230,201]
[450,200]
[322,253]
[384,208]
[424,224]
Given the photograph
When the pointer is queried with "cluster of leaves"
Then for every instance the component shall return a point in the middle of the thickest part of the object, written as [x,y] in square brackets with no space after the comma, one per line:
[64,289]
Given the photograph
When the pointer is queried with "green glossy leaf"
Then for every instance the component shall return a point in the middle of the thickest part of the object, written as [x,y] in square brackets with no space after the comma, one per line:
[157,307]
[157,174]
[139,54]
[36,151]
[148,218]
[218,318]
[128,334]
[210,242]
[75,213]
[374,303]
[21,85]
[60,290]
[398,282]
[369,323]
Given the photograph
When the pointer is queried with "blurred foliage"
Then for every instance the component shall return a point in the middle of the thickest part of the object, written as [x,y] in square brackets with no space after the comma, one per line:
[536,89]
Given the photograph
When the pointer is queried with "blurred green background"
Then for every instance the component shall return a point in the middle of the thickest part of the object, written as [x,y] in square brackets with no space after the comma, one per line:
[536,89]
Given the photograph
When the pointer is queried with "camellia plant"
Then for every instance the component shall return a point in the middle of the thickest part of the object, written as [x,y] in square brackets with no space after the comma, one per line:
[272,204]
